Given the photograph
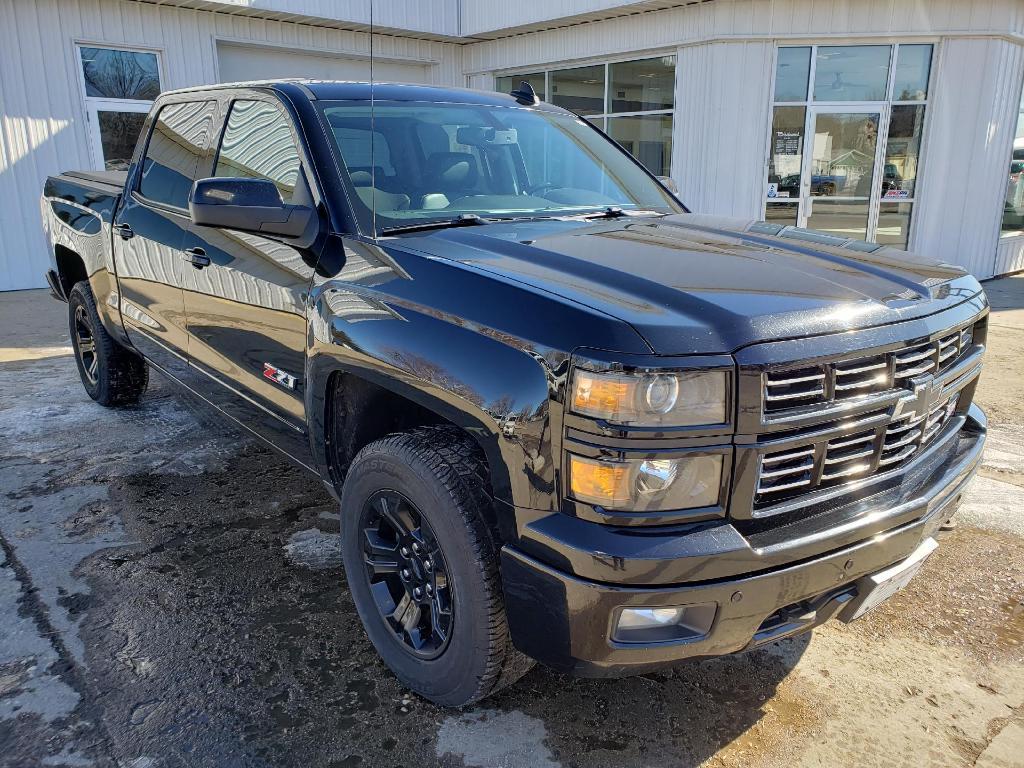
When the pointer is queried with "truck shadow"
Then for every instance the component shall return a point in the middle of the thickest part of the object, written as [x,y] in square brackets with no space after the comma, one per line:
[226,635]
[681,716]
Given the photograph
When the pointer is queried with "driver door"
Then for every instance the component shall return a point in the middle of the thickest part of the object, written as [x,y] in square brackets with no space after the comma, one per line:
[245,294]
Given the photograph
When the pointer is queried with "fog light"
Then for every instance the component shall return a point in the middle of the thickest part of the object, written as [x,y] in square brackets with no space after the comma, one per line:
[661,624]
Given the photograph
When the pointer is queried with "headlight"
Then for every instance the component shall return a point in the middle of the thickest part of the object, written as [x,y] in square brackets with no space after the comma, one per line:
[651,399]
[638,485]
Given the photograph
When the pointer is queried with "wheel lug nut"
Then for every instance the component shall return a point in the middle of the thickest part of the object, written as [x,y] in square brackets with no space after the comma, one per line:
[405,574]
[430,589]
[404,551]
[427,564]
[417,593]
[416,548]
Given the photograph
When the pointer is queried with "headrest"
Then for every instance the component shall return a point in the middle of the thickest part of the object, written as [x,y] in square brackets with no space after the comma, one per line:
[452,168]
[361,179]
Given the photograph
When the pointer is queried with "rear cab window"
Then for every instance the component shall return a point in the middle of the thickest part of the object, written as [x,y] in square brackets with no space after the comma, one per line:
[177,144]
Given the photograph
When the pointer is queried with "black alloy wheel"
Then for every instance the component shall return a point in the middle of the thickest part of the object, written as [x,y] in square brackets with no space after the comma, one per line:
[112,374]
[407,574]
[85,345]
[422,564]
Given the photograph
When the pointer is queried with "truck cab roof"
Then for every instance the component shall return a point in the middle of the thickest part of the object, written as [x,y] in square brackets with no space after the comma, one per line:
[353,90]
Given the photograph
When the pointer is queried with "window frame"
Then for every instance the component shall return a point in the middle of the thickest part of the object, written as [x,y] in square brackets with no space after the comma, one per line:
[600,120]
[227,105]
[884,108]
[93,105]
[217,123]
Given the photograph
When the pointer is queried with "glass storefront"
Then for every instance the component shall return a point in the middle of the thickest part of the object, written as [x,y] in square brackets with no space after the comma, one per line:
[845,142]
[633,101]
[1013,207]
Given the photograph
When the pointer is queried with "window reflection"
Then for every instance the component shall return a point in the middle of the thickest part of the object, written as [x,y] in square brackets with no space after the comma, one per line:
[509,83]
[119,133]
[1013,207]
[848,219]
[782,213]
[791,73]
[913,66]
[116,74]
[894,224]
[647,84]
[851,73]
[580,89]
[647,138]
[786,151]
[902,152]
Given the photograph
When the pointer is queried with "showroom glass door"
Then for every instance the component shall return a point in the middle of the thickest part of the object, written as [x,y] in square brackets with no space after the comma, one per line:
[840,161]
[846,138]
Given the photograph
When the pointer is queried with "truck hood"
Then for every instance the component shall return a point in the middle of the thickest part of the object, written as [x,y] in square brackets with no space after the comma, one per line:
[693,284]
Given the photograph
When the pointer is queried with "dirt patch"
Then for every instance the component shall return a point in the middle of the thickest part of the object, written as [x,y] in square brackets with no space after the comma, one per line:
[967,597]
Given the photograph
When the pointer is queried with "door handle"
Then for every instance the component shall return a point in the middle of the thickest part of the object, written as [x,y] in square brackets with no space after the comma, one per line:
[125,231]
[196,257]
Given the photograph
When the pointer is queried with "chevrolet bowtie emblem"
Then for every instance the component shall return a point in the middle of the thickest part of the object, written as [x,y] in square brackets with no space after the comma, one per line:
[921,401]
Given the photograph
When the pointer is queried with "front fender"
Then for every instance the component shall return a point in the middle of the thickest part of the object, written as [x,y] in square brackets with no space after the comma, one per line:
[425,329]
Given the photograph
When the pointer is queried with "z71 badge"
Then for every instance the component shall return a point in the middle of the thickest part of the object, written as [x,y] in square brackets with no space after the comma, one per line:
[278,376]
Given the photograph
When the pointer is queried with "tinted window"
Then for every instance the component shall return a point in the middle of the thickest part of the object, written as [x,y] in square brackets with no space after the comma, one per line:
[643,85]
[791,73]
[180,137]
[258,144]
[852,73]
[436,161]
[913,66]
[509,83]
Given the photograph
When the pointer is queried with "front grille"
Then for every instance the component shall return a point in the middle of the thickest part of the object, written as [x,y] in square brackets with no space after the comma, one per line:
[827,383]
[857,453]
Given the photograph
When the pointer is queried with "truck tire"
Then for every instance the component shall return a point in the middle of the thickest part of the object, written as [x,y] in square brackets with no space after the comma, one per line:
[111,374]
[422,567]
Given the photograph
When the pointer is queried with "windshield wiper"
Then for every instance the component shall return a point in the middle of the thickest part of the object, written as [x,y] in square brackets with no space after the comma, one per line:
[462,220]
[611,212]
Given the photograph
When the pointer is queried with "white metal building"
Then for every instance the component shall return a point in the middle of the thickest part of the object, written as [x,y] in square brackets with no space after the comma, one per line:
[896,120]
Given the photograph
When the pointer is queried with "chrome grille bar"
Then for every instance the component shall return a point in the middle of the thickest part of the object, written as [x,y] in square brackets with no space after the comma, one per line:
[806,386]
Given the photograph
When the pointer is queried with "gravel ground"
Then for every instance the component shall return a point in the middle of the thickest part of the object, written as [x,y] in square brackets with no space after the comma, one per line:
[171,595]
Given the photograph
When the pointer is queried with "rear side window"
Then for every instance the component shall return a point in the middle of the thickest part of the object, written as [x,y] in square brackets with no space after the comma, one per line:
[181,134]
[258,144]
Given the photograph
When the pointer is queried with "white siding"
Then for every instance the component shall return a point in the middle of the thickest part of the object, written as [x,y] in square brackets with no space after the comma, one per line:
[435,16]
[42,120]
[746,19]
[479,18]
[1010,255]
[973,114]
[722,106]
[261,62]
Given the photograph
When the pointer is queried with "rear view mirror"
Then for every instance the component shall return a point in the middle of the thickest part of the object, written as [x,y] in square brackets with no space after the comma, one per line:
[485,136]
[248,205]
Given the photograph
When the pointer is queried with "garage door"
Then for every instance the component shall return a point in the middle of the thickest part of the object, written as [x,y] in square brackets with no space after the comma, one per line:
[243,62]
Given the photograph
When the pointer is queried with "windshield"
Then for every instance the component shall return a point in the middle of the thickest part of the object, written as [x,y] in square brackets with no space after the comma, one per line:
[418,162]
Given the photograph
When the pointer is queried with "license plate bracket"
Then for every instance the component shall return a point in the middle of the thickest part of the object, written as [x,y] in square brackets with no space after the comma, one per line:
[874,589]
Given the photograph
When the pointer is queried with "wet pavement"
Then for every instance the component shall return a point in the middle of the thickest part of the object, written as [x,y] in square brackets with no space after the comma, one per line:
[171,595]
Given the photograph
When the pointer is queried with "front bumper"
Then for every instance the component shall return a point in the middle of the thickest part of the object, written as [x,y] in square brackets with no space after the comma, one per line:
[564,619]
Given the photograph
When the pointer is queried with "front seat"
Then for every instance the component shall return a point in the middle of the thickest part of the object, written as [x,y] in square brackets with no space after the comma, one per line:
[454,174]
[377,199]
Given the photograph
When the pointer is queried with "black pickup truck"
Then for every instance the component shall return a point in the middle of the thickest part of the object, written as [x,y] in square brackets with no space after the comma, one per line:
[566,420]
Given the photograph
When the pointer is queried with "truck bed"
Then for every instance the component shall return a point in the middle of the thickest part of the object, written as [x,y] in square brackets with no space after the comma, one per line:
[111,180]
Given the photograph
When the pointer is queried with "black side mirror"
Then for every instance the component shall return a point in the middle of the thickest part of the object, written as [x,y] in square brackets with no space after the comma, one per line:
[248,205]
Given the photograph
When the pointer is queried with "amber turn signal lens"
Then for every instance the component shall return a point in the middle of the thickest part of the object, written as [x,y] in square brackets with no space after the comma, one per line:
[601,395]
[639,485]
[599,482]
